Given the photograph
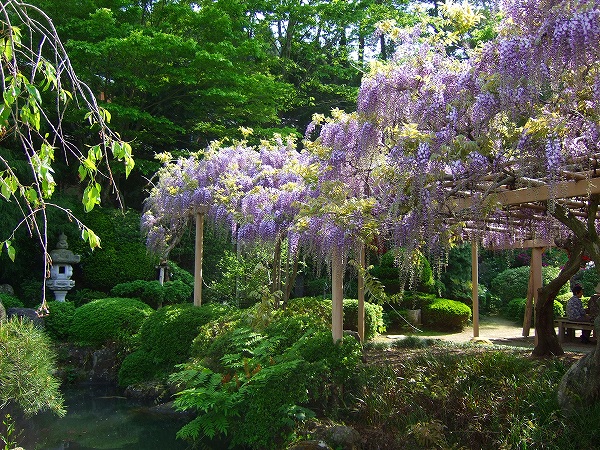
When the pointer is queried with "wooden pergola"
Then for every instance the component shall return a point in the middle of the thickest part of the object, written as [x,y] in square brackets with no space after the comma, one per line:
[521,197]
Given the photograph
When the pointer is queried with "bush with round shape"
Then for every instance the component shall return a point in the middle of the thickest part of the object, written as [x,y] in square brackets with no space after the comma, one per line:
[176,292]
[444,314]
[136,368]
[109,320]
[58,322]
[83,296]
[515,310]
[168,332]
[150,292]
[513,283]
[317,307]
[373,318]
[10,301]
[208,333]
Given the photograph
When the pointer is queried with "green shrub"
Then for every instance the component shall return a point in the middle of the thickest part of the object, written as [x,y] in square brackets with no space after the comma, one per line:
[58,322]
[165,340]
[512,283]
[180,274]
[83,296]
[373,318]
[150,292]
[317,287]
[107,320]
[515,310]
[444,314]
[258,398]
[10,301]
[225,319]
[317,307]
[27,363]
[137,367]
[177,292]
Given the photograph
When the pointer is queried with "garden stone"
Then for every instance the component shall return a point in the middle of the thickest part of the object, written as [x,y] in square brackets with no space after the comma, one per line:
[343,437]
[7,289]
[580,385]
[310,445]
[26,313]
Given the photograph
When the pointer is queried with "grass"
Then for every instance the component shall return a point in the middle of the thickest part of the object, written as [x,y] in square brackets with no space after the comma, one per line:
[423,393]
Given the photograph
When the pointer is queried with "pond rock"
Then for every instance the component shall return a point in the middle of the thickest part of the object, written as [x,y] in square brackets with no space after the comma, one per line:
[26,313]
[337,436]
[6,289]
[310,445]
[90,365]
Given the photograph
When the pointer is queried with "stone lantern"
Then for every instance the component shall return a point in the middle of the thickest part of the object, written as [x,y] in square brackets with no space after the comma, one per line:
[61,270]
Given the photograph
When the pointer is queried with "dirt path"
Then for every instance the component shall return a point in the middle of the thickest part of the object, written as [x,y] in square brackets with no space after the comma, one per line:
[495,329]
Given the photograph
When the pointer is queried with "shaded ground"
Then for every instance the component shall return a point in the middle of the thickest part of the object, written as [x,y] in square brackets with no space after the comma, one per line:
[498,330]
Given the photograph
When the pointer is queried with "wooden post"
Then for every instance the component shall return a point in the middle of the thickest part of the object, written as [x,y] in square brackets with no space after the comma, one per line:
[337,296]
[536,269]
[475,287]
[198,258]
[529,303]
[361,294]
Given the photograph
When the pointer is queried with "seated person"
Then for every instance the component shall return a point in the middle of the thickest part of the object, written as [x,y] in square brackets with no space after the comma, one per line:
[575,311]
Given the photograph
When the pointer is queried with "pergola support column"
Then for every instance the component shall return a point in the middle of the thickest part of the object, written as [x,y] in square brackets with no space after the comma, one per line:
[361,294]
[475,287]
[337,296]
[199,245]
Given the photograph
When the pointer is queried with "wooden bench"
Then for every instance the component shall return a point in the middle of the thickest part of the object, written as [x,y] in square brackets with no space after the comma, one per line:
[566,327]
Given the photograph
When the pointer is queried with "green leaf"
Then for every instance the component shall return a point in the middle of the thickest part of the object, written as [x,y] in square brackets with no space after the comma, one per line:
[11,250]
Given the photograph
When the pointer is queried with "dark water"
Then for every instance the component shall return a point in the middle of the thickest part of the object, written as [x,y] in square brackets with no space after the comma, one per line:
[98,417]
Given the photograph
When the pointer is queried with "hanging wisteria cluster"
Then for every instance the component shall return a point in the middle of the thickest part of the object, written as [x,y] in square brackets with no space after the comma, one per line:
[431,129]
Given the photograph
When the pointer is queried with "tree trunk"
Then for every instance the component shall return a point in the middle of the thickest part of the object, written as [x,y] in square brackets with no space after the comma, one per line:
[547,341]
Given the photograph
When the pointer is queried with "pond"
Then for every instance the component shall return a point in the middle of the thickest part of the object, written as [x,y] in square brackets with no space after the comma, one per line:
[99,417]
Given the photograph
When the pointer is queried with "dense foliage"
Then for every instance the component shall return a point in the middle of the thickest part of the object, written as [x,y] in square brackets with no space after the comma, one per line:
[58,322]
[444,314]
[258,395]
[165,340]
[512,283]
[109,320]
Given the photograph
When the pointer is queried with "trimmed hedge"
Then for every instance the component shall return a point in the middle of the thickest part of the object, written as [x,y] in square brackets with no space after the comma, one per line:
[153,293]
[444,314]
[516,309]
[109,320]
[165,340]
[58,322]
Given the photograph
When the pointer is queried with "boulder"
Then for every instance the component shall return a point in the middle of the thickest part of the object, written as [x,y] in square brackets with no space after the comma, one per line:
[310,445]
[26,313]
[580,385]
[7,289]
